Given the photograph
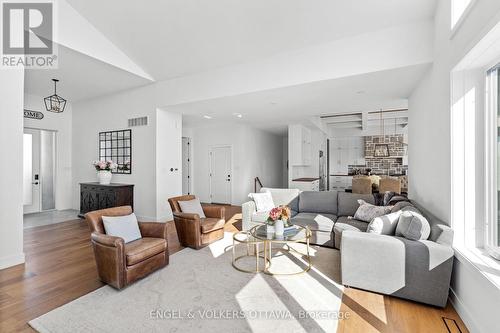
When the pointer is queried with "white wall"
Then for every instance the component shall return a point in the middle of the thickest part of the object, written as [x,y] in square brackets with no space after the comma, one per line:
[255,153]
[475,298]
[11,177]
[111,113]
[62,124]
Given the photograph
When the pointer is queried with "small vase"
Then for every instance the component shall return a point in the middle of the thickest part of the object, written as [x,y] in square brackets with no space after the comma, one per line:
[104,177]
[269,229]
[279,227]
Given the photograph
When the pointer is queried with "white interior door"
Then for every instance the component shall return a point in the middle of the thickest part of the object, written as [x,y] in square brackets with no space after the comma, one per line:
[31,171]
[220,175]
[186,166]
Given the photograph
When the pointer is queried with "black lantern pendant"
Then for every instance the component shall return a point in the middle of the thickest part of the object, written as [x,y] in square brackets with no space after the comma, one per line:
[55,103]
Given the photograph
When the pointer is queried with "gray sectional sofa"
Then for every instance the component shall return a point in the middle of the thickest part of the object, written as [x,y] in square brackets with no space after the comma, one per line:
[418,270]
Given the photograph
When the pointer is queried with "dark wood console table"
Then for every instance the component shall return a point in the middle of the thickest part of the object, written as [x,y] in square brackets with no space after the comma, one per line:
[94,196]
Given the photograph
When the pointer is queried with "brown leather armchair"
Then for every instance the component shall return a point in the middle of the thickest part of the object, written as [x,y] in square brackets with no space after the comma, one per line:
[120,264]
[194,231]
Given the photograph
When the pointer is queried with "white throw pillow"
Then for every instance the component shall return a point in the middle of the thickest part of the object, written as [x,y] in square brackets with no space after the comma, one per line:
[192,207]
[263,201]
[385,224]
[125,227]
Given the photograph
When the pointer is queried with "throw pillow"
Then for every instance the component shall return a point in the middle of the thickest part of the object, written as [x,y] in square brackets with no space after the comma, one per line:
[263,201]
[412,225]
[385,224]
[367,212]
[192,207]
[125,227]
[400,205]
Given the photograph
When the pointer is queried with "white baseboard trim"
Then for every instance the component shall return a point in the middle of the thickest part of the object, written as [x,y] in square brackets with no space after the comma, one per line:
[463,312]
[12,260]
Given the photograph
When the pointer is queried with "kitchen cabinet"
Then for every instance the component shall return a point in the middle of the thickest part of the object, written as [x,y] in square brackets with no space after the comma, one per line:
[340,183]
[305,185]
[345,152]
[300,149]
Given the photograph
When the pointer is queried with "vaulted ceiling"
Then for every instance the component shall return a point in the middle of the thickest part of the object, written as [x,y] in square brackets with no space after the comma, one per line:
[232,56]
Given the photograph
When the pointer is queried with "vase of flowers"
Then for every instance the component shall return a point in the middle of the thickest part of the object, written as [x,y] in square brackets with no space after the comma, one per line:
[278,219]
[104,169]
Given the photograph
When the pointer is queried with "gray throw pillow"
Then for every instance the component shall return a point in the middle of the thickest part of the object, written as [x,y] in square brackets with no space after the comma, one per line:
[385,224]
[192,207]
[367,212]
[413,226]
[400,205]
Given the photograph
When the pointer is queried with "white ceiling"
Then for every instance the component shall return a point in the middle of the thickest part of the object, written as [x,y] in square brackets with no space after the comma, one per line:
[171,38]
[275,109]
[81,77]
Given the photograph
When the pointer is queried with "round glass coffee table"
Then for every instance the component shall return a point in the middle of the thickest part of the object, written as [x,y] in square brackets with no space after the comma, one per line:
[253,249]
[298,234]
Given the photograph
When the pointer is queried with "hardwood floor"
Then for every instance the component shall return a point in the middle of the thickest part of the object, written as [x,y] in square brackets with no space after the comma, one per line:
[60,267]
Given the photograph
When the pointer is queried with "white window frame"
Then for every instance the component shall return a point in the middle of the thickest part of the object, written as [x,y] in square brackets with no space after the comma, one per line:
[491,163]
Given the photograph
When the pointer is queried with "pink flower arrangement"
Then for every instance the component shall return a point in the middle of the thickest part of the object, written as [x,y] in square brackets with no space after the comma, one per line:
[279,213]
[104,165]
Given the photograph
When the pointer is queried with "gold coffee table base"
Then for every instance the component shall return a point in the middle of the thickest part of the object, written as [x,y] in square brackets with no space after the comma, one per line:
[256,253]
[251,239]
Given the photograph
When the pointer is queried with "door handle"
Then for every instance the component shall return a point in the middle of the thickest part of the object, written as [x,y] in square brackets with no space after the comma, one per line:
[35,183]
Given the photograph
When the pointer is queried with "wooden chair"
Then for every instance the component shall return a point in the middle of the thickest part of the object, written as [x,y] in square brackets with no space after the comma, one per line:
[390,184]
[362,185]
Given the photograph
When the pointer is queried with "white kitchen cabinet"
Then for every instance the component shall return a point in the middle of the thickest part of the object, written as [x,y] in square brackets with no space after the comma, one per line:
[300,145]
[340,183]
[345,152]
[306,185]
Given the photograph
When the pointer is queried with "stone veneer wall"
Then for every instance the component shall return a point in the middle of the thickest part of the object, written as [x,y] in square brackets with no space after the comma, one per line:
[384,165]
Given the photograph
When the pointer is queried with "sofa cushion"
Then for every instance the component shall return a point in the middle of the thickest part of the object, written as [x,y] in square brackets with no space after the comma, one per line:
[315,221]
[192,207]
[210,224]
[263,201]
[338,230]
[413,226]
[144,248]
[367,212]
[348,202]
[318,202]
[125,227]
[361,225]
[284,196]
[385,224]
[441,234]
[260,217]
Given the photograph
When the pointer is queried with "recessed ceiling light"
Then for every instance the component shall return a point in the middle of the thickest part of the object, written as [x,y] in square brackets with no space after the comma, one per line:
[273,103]
[360,92]
[239,115]
[207,117]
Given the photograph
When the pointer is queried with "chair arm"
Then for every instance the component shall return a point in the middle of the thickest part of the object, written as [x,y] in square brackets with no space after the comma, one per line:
[372,262]
[109,252]
[186,216]
[153,229]
[107,240]
[215,211]
[247,209]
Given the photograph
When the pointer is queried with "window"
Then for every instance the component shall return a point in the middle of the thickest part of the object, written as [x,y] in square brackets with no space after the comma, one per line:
[492,159]
[458,8]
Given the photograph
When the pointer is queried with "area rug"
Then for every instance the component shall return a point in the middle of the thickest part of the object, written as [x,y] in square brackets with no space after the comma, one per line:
[201,291]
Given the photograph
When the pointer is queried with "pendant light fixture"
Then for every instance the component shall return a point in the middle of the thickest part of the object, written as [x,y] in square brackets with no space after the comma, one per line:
[55,103]
[381,149]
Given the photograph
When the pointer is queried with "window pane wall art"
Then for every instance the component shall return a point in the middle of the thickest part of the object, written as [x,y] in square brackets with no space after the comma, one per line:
[116,146]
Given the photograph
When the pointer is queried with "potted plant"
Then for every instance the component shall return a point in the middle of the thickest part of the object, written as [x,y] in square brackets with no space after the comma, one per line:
[278,219]
[104,169]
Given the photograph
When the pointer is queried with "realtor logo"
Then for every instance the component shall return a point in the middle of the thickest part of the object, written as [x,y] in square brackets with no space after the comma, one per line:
[27,34]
